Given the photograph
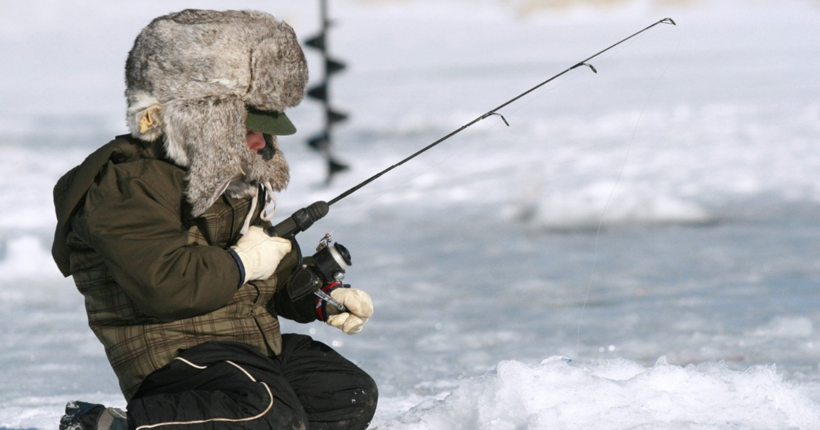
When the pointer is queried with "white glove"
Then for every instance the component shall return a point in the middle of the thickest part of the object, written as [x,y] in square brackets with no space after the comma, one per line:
[260,254]
[359,309]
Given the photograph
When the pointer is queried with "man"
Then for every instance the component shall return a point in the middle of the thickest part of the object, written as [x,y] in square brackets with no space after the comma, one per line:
[162,232]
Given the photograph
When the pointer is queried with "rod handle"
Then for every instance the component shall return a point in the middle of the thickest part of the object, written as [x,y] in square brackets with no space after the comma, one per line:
[300,221]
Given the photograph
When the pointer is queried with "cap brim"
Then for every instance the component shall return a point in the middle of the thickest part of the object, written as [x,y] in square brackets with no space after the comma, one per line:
[269,122]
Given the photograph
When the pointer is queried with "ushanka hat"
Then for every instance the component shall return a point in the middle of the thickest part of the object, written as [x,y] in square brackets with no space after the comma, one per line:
[198,78]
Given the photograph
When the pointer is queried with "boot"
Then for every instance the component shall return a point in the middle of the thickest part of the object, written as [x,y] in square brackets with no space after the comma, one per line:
[92,416]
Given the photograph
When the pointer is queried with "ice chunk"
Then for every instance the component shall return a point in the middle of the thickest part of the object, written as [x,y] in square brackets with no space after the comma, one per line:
[616,394]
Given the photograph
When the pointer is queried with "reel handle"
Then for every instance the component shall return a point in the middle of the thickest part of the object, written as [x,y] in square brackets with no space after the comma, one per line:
[300,221]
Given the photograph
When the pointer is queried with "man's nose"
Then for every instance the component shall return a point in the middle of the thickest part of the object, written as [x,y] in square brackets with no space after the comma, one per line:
[256,141]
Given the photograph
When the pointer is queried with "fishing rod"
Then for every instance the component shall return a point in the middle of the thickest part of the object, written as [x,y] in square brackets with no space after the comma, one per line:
[302,219]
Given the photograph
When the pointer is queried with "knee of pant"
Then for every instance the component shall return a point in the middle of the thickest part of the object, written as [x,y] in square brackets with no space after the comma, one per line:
[355,407]
[283,418]
[366,399]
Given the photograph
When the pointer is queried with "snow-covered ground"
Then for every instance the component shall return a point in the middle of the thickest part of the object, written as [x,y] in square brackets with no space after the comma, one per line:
[654,224]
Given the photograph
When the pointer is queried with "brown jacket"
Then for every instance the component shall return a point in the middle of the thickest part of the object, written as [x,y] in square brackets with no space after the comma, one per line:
[155,279]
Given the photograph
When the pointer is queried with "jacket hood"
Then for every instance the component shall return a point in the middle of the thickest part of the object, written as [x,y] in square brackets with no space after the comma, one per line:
[190,78]
[71,189]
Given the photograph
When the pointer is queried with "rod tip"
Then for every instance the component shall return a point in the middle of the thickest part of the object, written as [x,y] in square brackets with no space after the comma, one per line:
[668,21]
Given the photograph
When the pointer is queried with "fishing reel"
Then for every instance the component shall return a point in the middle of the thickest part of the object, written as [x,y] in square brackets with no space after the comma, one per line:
[324,267]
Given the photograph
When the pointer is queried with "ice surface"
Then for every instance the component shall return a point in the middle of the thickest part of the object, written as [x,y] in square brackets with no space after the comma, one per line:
[664,207]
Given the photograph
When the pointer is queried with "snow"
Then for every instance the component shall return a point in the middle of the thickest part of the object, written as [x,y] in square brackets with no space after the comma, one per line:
[656,223]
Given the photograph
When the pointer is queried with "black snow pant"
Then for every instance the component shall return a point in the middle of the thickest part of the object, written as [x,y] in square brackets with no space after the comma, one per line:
[230,385]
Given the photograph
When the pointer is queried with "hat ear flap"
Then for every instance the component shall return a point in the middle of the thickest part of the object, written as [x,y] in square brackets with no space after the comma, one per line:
[208,137]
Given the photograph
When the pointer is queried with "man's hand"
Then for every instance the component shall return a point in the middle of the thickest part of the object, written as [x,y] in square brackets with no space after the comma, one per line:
[259,253]
[359,309]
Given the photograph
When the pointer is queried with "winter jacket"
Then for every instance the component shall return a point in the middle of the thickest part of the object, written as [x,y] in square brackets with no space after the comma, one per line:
[157,280]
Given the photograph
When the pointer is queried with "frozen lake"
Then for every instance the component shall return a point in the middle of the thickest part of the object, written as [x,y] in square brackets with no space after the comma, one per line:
[655,223]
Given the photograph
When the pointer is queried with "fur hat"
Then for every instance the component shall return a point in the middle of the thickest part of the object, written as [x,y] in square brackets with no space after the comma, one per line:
[190,78]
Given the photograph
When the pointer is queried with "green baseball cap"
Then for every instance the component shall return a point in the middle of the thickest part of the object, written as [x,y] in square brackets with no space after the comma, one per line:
[269,122]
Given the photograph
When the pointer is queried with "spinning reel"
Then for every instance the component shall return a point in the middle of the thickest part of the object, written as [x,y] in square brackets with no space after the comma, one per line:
[324,267]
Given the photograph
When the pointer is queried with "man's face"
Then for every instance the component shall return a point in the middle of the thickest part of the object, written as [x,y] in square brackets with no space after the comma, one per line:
[262,144]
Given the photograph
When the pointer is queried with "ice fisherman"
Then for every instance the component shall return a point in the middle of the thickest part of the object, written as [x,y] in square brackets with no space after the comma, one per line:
[161,230]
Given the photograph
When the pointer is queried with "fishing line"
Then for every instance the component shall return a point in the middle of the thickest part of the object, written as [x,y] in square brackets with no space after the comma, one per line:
[459,150]
[612,191]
